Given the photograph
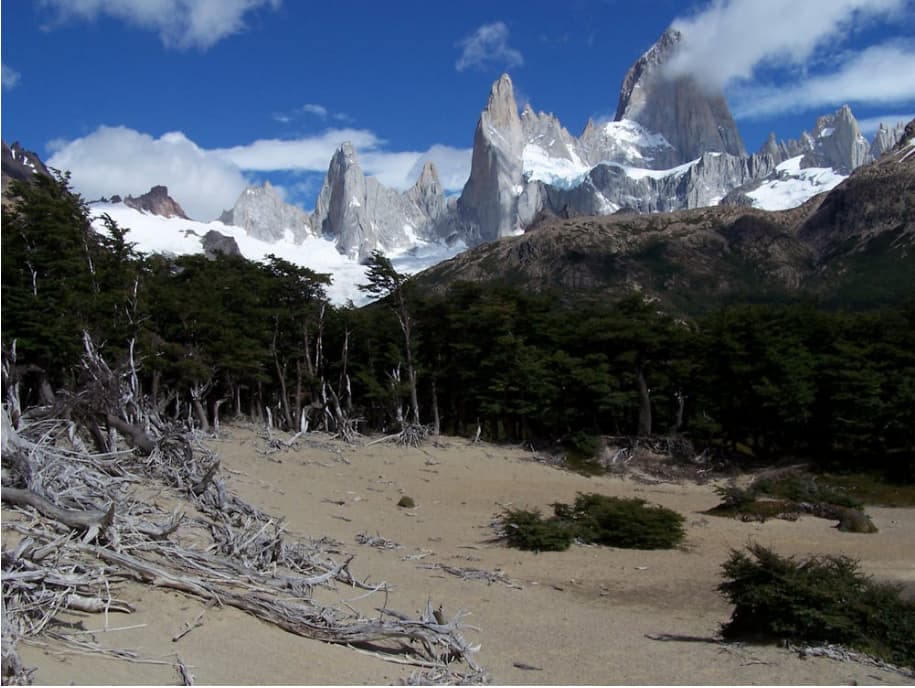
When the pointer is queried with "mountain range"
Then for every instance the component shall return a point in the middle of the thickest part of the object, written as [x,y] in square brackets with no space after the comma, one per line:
[672,146]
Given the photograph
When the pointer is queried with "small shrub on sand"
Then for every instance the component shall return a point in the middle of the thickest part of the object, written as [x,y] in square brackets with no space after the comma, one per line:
[528,530]
[595,518]
[821,599]
[406,502]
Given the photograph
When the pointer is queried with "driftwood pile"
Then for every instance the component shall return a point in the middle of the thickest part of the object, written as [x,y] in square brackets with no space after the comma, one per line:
[91,519]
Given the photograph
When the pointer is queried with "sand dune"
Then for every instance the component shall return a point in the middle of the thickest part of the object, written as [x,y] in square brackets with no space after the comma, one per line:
[575,617]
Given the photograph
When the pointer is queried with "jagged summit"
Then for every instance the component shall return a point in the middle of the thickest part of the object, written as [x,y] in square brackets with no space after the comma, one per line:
[158,202]
[693,120]
[263,214]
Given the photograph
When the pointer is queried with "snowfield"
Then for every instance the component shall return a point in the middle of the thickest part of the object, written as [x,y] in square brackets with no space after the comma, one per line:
[157,234]
[794,185]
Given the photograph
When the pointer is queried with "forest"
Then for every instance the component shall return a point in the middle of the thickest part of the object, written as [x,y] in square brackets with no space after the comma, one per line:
[209,339]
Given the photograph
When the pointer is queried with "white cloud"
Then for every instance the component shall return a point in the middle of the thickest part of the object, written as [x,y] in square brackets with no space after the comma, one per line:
[881,75]
[488,47]
[317,110]
[119,160]
[730,39]
[10,76]
[453,165]
[179,23]
[313,153]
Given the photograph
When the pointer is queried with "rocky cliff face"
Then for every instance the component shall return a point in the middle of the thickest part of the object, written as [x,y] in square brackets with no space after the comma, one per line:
[19,163]
[691,120]
[488,205]
[263,215]
[362,215]
[158,202]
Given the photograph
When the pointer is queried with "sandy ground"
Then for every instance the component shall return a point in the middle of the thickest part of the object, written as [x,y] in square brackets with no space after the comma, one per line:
[576,617]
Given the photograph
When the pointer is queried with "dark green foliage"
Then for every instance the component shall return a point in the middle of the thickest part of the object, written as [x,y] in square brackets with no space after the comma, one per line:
[625,523]
[790,494]
[821,599]
[596,518]
[756,382]
[529,531]
[803,487]
[406,502]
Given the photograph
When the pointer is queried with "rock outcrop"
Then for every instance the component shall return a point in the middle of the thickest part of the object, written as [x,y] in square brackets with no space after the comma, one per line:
[158,202]
[690,119]
[263,215]
[19,163]
[215,244]
[488,205]
[362,215]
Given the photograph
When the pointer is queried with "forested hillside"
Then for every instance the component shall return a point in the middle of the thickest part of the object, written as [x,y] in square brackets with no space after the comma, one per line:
[215,338]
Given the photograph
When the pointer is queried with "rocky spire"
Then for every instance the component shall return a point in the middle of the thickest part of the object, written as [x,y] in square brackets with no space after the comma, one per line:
[427,193]
[263,215]
[489,201]
[339,213]
[693,120]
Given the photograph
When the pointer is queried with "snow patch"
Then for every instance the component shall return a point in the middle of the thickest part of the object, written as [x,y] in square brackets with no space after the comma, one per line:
[642,173]
[157,234]
[827,131]
[794,186]
[539,165]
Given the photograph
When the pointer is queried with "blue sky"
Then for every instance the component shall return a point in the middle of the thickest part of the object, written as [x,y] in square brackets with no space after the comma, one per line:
[208,95]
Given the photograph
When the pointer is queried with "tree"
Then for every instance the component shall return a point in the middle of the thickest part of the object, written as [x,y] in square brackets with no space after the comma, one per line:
[386,283]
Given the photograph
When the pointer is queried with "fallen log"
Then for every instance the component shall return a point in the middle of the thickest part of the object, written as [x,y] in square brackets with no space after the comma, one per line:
[72,518]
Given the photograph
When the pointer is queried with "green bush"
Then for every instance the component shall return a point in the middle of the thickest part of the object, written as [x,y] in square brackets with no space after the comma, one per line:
[626,523]
[527,530]
[821,599]
[595,518]
[802,487]
[406,502]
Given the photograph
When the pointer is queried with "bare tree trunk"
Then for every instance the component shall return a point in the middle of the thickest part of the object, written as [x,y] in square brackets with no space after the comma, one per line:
[644,403]
[281,376]
[681,404]
[197,393]
[436,419]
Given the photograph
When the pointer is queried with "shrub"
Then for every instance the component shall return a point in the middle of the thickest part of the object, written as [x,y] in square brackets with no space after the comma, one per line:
[626,523]
[595,518]
[801,487]
[527,530]
[822,599]
[406,502]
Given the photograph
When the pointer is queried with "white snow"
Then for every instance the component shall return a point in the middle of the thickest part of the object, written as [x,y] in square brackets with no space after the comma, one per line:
[794,185]
[517,189]
[827,131]
[627,131]
[354,203]
[157,234]
[641,172]
[539,165]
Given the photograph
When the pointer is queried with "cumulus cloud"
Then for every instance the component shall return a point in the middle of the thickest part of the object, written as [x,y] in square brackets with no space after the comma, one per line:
[179,23]
[10,76]
[312,153]
[731,38]
[119,160]
[488,47]
[882,75]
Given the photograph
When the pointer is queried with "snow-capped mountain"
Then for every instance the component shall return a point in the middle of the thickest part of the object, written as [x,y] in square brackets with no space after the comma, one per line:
[672,145]
[176,236]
